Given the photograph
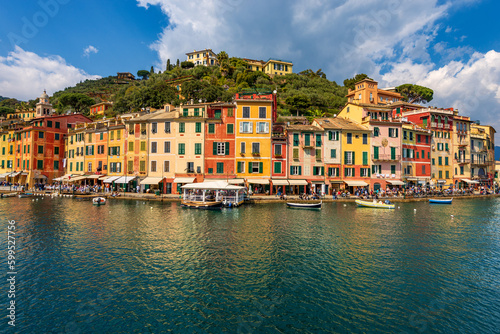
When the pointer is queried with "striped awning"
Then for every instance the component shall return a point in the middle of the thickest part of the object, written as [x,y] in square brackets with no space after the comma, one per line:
[124,179]
[280,182]
[111,179]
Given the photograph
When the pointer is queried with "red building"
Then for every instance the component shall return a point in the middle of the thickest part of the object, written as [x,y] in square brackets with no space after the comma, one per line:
[279,166]
[220,141]
[416,157]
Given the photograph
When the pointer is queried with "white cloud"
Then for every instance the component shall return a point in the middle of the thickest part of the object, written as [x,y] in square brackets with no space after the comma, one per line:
[24,75]
[472,86]
[88,50]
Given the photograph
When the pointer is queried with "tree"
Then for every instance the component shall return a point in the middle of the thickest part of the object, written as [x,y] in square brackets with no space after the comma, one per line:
[169,67]
[415,93]
[349,83]
[152,71]
[143,73]
[79,102]
[178,63]
[298,102]
[6,110]
[187,64]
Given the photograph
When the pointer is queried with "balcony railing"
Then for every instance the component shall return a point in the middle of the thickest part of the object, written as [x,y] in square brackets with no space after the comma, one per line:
[462,161]
[440,125]
[386,157]
[447,126]
[433,124]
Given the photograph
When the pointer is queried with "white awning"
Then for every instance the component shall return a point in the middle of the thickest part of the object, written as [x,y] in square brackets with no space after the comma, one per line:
[78,178]
[125,179]
[217,185]
[111,179]
[40,177]
[105,177]
[24,174]
[13,174]
[280,182]
[469,181]
[356,183]
[2,176]
[152,180]
[297,182]
[260,181]
[236,181]
[395,182]
[184,179]
[93,176]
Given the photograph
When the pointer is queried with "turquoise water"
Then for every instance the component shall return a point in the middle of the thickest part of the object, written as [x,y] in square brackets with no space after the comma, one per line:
[150,267]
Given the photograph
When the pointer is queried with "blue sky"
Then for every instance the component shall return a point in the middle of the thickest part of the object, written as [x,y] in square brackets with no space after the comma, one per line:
[452,47]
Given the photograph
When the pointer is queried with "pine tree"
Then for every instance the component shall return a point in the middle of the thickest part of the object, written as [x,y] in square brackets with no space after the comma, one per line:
[168,65]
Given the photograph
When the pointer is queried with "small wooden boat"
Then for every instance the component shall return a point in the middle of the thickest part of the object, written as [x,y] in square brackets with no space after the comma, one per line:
[209,205]
[99,200]
[304,205]
[375,204]
[440,201]
[24,195]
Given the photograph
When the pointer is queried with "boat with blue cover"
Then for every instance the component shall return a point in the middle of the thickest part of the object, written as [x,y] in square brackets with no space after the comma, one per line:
[440,201]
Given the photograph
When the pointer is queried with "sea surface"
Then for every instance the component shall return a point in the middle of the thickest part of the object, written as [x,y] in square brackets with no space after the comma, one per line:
[151,267]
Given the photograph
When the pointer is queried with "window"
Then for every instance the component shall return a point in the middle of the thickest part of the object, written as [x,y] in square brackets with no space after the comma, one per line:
[318,170]
[58,125]
[220,167]
[277,149]
[333,153]
[411,136]
[364,172]
[349,138]
[40,149]
[318,140]
[70,166]
[333,171]
[333,135]
[182,127]
[49,124]
[182,148]
[230,129]
[166,166]
[262,112]
[153,147]
[131,146]
[423,169]
[101,136]
[246,112]
[197,148]
[39,164]
[143,146]
[440,174]
[190,167]
[153,166]
[440,161]
[185,112]
[296,139]
[461,170]
[256,167]
[246,127]
[211,128]
[167,127]
[255,148]
[56,136]
[405,135]
[242,148]
[393,169]
[198,127]
[295,153]
[241,167]
[295,170]
[262,127]
[130,166]
[349,158]
[365,158]
[433,162]
[40,134]
[277,167]
[307,139]
[349,172]
[56,150]
[393,153]
[154,127]
[89,167]
[447,173]
[446,161]
[142,166]
[393,132]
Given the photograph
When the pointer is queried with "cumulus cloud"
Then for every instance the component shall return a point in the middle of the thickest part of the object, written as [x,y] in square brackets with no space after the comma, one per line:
[89,50]
[24,75]
[472,86]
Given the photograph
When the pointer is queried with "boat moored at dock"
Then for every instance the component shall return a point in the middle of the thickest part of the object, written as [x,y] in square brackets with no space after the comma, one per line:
[374,204]
[440,201]
[212,195]
[295,205]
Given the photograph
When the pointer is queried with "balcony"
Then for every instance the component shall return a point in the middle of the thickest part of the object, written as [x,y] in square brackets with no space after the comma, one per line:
[440,125]
[433,124]
[447,126]
[462,161]
[386,157]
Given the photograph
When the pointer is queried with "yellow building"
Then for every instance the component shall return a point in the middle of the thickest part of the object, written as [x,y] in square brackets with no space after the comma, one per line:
[461,150]
[203,57]
[254,118]
[367,91]
[482,148]
[25,115]
[75,149]
[278,67]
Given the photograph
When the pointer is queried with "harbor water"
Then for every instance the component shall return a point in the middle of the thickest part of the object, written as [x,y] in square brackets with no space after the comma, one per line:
[152,267]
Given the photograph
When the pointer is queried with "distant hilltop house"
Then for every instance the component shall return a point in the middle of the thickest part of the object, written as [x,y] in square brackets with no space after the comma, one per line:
[271,67]
[367,92]
[100,108]
[203,57]
[125,76]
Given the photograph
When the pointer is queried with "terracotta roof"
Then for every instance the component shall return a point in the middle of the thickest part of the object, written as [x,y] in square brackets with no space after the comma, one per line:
[339,123]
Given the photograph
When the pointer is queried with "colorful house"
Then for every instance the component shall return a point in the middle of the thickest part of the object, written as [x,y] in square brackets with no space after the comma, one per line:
[220,143]
[100,108]
[416,155]
[482,148]
[367,92]
[386,144]
[255,114]
[203,57]
[461,151]
[279,165]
